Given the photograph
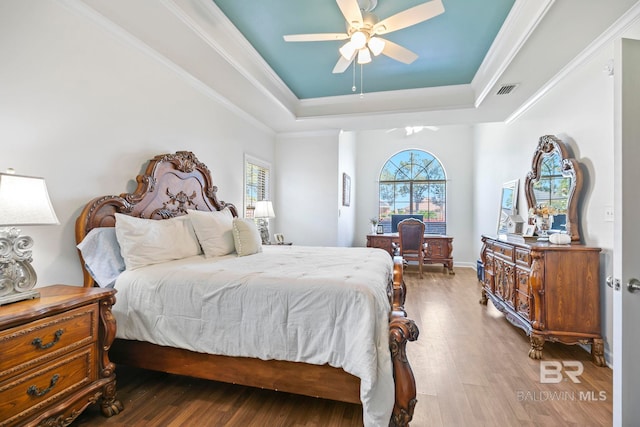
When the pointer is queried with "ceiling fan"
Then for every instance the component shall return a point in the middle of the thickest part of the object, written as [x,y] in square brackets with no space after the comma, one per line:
[364,28]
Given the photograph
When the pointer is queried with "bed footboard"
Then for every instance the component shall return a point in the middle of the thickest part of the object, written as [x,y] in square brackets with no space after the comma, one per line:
[401,330]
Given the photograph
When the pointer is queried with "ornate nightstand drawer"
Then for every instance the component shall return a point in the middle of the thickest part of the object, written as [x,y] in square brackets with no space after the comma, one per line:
[22,396]
[26,346]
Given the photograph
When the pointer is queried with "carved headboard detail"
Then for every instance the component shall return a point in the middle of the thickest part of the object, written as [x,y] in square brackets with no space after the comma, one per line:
[171,184]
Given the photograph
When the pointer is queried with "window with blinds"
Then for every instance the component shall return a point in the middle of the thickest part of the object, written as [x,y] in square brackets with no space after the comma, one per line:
[256,177]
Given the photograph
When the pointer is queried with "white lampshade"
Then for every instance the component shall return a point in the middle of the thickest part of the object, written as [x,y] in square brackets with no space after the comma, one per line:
[359,39]
[264,209]
[376,45]
[24,200]
[347,50]
[364,57]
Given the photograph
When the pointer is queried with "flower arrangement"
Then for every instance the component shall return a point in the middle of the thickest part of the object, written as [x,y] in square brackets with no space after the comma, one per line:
[374,221]
[542,210]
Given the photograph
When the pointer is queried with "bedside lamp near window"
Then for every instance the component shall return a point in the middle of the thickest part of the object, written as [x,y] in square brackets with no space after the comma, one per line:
[264,211]
[23,201]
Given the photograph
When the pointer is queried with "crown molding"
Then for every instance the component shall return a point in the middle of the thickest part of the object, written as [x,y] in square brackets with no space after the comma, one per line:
[616,30]
[85,10]
[523,19]
[209,22]
[390,102]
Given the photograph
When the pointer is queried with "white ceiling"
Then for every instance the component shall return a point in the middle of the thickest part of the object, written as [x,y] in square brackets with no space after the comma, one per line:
[539,42]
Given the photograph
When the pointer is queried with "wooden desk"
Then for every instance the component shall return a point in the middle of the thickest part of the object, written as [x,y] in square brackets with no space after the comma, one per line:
[439,248]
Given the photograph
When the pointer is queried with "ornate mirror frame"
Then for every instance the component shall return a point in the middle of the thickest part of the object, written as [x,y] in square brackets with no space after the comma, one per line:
[549,145]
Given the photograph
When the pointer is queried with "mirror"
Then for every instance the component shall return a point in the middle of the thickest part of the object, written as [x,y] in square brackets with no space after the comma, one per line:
[508,205]
[553,186]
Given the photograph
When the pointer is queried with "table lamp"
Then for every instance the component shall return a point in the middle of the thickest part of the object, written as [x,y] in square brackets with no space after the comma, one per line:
[24,200]
[264,211]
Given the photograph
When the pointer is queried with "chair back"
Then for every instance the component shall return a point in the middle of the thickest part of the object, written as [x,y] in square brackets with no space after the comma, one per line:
[411,234]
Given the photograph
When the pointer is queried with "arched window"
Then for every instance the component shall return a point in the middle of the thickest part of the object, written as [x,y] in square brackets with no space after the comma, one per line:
[413,182]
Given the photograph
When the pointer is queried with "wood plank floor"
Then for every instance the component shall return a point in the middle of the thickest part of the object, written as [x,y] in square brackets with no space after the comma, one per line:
[470,364]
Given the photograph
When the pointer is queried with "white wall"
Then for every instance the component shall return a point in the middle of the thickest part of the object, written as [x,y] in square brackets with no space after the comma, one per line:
[579,110]
[307,188]
[453,146]
[86,111]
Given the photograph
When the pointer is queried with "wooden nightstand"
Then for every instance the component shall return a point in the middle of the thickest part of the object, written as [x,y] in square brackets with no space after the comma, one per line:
[54,360]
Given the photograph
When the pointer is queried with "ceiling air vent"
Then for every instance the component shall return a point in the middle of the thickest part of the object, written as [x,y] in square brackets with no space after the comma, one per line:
[506,89]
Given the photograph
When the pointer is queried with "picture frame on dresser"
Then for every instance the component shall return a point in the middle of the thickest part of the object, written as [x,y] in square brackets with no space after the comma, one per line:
[528,230]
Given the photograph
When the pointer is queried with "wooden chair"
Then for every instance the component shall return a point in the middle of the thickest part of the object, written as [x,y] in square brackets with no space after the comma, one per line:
[411,241]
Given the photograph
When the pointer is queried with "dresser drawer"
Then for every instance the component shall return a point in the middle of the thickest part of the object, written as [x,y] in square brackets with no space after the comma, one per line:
[28,345]
[503,251]
[523,256]
[523,305]
[26,394]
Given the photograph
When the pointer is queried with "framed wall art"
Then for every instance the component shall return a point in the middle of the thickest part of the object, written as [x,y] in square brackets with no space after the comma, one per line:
[346,190]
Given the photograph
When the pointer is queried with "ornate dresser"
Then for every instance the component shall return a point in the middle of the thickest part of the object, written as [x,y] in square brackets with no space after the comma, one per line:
[550,291]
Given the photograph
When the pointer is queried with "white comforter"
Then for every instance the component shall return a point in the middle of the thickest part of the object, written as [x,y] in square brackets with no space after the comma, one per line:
[305,304]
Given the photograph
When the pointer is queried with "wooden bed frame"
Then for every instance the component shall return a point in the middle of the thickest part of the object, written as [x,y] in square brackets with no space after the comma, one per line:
[173,183]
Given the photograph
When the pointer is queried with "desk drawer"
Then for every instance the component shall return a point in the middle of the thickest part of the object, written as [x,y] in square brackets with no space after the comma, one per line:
[32,391]
[28,345]
[437,249]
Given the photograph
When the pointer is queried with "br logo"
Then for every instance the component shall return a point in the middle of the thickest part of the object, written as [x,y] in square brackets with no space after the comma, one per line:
[553,372]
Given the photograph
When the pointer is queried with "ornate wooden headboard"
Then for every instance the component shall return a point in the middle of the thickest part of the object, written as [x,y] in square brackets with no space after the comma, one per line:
[171,184]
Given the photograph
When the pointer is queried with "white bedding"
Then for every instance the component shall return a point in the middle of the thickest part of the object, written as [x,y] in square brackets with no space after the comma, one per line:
[306,304]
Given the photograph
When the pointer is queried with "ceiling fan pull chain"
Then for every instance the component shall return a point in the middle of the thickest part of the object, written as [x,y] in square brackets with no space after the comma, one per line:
[353,88]
[361,83]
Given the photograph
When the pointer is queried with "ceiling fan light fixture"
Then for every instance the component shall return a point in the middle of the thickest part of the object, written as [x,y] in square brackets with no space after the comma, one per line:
[359,39]
[376,45]
[364,56]
[347,50]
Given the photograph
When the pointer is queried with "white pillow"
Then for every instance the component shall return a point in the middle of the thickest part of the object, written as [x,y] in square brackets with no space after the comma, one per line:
[214,231]
[246,237]
[101,254]
[149,241]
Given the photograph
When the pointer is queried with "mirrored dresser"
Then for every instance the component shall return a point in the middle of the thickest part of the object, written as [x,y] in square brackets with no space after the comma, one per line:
[550,290]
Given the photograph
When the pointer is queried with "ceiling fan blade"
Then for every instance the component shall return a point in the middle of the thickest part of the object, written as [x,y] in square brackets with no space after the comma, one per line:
[343,64]
[409,17]
[351,11]
[397,52]
[315,37]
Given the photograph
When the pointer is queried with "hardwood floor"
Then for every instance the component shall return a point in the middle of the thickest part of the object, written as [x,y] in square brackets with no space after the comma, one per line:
[466,375]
